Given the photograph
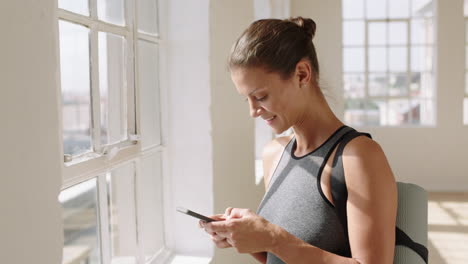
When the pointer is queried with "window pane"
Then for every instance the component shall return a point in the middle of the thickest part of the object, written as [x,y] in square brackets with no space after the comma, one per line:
[80,223]
[150,205]
[353,9]
[353,33]
[422,8]
[149,94]
[75,84]
[122,221]
[355,112]
[415,84]
[148,16]
[76,6]
[398,33]
[465,115]
[354,85]
[421,58]
[111,11]
[422,31]
[376,9]
[397,59]
[422,112]
[466,31]
[398,8]
[466,57]
[466,84]
[112,81]
[397,84]
[398,111]
[378,84]
[427,87]
[353,59]
[376,111]
[465,9]
[377,33]
[377,59]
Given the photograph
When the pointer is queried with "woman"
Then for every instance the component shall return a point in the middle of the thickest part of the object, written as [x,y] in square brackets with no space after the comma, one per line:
[274,65]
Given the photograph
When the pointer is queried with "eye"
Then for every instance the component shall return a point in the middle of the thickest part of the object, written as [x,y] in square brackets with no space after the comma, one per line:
[261,99]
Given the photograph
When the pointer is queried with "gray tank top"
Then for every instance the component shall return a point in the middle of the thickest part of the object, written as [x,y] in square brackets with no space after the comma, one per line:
[295,200]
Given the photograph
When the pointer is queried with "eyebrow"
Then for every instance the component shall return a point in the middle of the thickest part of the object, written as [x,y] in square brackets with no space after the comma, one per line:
[254,91]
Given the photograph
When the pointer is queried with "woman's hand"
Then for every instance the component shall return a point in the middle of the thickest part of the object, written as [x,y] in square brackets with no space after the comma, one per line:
[219,241]
[242,229]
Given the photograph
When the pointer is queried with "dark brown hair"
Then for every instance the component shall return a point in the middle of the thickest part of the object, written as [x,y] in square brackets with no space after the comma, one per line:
[277,45]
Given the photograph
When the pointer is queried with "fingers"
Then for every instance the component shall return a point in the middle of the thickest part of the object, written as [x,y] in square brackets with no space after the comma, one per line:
[222,244]
[227,213]
[220,241]
[201,223]
[218,217]
[239,212]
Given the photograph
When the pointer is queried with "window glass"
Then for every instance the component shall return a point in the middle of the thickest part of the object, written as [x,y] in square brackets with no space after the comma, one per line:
[354,85]
[377,33]
[76,6]
[80,223]
[378,83]
[398,8]
[353,9]
[111,11]
[353,59]
[376,9]
[76,87]
[353,33]
[122,218]
[377,59]
[149,93]
[147,16]
[112,83]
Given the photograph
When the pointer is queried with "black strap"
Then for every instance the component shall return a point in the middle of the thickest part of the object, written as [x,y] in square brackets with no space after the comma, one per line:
[340,197]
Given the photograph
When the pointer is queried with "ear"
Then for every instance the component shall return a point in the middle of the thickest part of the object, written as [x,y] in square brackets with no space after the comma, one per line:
[304,71]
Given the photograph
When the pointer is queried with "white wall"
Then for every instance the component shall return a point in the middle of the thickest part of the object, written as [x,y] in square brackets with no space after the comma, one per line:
[30,154]
[233,129]
[187,82]
[433,157]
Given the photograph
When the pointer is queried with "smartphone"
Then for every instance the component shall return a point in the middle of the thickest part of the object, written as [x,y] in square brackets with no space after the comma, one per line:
[196,215]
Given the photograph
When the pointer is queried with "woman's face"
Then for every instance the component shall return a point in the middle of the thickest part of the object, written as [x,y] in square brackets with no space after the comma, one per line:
[275,100]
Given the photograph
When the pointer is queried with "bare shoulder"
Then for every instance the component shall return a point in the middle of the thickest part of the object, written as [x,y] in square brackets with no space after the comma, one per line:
[271,156]
[363,148]
[274,146]
[366,166]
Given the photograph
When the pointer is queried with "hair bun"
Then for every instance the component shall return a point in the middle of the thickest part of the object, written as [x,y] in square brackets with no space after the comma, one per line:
[306,24]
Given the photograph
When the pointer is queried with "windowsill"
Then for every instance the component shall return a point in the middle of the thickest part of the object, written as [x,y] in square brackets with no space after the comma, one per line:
[189,260]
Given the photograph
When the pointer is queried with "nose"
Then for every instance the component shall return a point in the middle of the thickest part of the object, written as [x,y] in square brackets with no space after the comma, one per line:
[255,110]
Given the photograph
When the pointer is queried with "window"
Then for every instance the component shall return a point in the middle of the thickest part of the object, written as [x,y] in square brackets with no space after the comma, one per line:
[111,128]
[465,100]
[388,62]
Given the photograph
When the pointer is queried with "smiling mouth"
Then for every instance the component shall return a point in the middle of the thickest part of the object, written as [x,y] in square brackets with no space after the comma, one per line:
[270,119]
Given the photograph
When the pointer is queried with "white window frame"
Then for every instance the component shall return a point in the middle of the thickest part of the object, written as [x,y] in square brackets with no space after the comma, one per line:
[97,164]
[366,98]
[465,99]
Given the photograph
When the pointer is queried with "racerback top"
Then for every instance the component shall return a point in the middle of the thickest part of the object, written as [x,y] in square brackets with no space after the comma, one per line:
[295,201]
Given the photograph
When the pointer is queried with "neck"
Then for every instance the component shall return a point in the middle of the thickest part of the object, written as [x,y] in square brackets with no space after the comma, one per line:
[315,126]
